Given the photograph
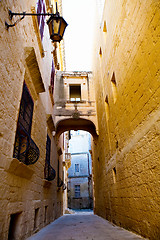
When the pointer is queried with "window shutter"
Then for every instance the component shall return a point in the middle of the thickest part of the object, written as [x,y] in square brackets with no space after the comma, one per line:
[39,8]
[41,19]
[26,110]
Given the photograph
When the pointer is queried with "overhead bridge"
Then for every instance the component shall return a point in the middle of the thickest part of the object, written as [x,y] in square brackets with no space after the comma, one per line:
[74,103]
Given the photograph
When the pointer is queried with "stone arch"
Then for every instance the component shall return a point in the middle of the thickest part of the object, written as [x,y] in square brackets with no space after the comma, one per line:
[76,124]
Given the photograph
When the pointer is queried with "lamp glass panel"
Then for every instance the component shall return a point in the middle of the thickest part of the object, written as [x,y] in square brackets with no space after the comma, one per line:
[50,25]
[56,26]
[62,27]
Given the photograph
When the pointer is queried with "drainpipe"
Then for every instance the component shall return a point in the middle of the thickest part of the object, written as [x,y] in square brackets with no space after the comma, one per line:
[89,181]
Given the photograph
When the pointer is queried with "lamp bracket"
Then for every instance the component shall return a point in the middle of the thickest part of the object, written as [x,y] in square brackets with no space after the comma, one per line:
[56,33]
[10,17]
[11,14]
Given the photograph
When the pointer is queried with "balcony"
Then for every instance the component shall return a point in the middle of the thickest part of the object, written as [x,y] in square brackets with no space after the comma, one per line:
[25,149]
[67,160]
[73,108]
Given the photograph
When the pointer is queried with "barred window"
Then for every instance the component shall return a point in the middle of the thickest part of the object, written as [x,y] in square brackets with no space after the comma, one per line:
[41,19]
[26,110]
[24,148]
[77,191]
[49,172]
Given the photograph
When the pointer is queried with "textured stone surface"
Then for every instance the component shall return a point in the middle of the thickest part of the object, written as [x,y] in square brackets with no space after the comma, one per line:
[22,187]
[126,157]
[83,226]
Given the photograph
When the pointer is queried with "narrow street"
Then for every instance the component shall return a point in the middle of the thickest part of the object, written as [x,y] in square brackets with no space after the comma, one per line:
[81,226]
[79,119]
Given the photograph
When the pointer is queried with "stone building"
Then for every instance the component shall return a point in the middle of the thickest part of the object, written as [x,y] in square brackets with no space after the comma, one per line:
[66,166]
[74,99]
[74,107]
[127,86]
[31,193]
[120,109]
[80,194]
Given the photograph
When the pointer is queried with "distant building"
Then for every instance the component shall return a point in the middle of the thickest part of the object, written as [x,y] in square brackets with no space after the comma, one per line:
[80,173]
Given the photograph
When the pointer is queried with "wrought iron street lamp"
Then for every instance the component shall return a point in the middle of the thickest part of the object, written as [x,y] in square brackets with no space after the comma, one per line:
[56,23]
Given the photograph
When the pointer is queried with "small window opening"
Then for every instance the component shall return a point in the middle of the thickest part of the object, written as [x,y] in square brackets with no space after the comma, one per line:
[45,213]
[14,226]
[117,144]
[107,107]
[75,93]
[36,215]
[114,87]
[105,31]
[100,52]
[104,27]
[114,174]
[76,167]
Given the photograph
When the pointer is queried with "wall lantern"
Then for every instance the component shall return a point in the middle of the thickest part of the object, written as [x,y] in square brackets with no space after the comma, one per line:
[56,23]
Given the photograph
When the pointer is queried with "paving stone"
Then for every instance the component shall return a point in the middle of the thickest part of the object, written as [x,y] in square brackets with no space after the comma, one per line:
[83,226]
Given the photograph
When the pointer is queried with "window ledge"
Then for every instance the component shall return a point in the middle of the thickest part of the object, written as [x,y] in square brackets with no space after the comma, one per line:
[19,169]
[33,67]
[74,102]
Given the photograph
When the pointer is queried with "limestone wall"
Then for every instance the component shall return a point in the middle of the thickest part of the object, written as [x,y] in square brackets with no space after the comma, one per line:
[27,201]
[126,74]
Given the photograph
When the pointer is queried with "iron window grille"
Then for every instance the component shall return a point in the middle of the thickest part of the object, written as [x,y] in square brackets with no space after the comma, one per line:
[60,183]
[49,172]
[25,149]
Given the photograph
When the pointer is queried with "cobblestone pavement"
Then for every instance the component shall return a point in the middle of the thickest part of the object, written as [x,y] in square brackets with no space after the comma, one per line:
[83,226]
